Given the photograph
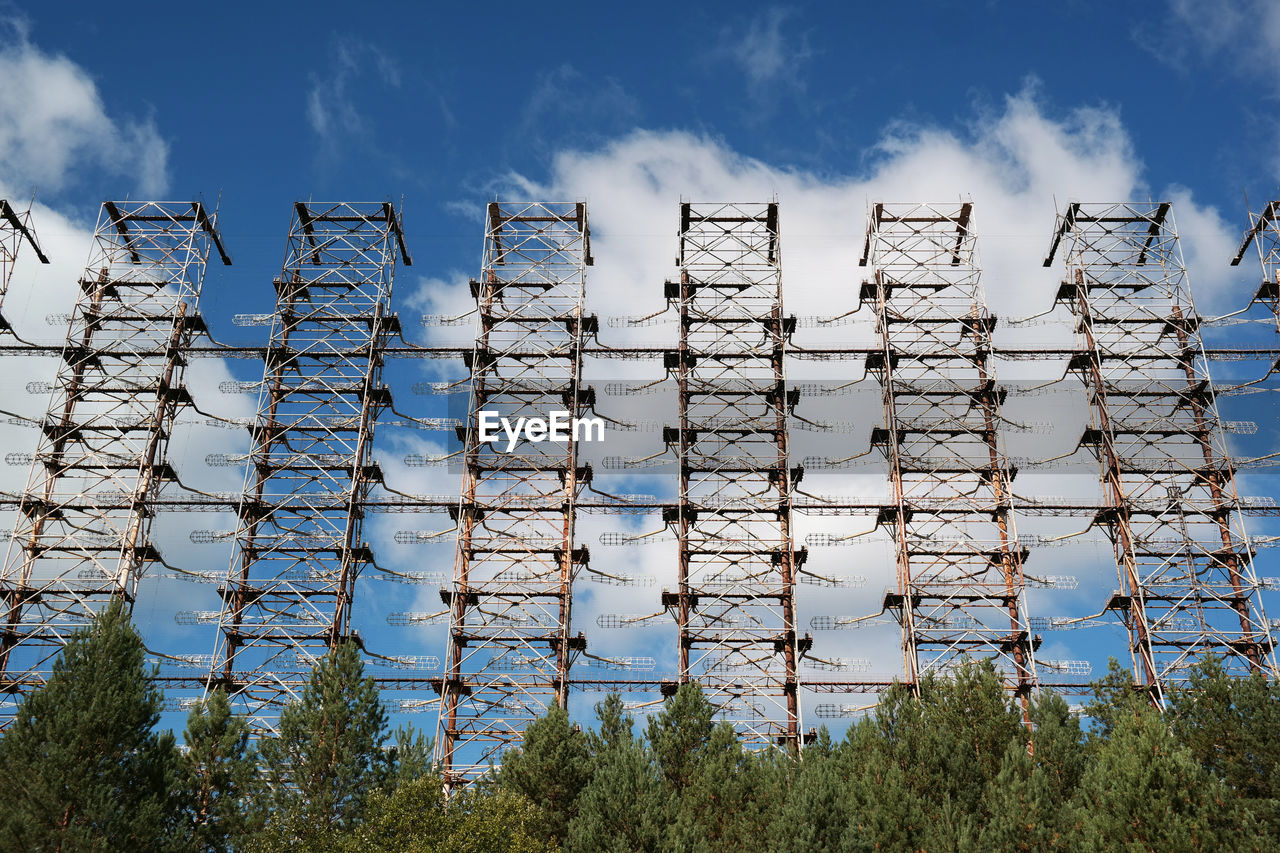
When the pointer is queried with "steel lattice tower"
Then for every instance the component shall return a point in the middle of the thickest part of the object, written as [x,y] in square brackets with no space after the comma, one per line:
[1167,503]
[960,590]
[82,535]
[735,602]
[1187,584]
[510,648]
[299,549]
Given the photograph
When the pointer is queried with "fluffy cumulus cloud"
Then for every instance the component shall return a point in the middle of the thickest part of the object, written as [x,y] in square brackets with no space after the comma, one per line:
[1017,163]
[53,123]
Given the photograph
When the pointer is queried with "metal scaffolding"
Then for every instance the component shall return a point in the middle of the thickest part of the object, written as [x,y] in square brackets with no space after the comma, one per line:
[299,548]
[510,648]
[82,535]
[1166,500]
[1170,507]
[960,588]
[735,600]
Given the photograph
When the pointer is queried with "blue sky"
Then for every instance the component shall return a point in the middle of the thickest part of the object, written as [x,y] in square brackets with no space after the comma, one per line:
[439,103]
[630,107]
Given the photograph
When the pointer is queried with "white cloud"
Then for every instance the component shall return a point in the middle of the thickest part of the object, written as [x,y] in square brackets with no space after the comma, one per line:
[1240,36]
[54,126]
[1242,33]
[332,110]
[53,123]
[564,98]
[767,55]
[1013,164]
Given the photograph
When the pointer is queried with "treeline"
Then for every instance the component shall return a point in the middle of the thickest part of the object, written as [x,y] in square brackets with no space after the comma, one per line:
[952,768]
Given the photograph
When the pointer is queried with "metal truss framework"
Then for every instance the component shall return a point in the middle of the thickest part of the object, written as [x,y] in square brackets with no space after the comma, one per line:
[1170,507]
[509,647]
[735,600]
[1264,232]
[299,550]
[960,590]
[100,473]
[15,230]
[82,536]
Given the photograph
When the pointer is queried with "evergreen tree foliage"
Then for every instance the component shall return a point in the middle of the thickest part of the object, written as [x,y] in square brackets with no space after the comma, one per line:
[948,766]
[922,764]
[621,809]
[679,734]
[83,766]
[551,769]
[725,804]
[1144,791]
[812,813]
[220,770]
[328,757]
[689,785]
[409,758]
[614,726]
[1115,697]
[413,818]
[1031,799]
[1232,728]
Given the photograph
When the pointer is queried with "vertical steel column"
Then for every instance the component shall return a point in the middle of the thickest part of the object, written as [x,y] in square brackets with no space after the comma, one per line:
[510,648]
[299,549]
[1187,585]
[82,536]
[735,603]
[961,591]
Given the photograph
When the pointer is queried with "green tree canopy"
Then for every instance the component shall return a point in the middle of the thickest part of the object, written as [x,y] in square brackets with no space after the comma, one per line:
[551,768]
[84,768]
[327,758]
[221,774]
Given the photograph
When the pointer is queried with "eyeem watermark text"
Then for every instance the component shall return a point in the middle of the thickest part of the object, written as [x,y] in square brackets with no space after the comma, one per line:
[559,427]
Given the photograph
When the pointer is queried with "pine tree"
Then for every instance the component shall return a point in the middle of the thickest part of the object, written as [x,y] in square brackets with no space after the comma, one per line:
[614,727]
[679,733]
[923,764]
[1057,745]
[621,809]
[220,769]
[885,811]
[1145,791]
[409,758]
[83,766]
[328,756]
[725,805]
[550,768]
[813,814]
[1230,725]
[1115,697]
